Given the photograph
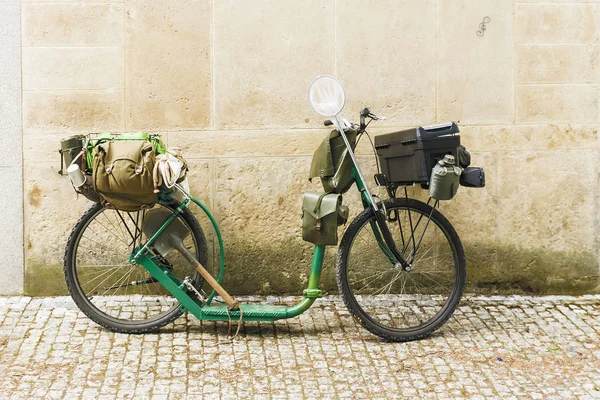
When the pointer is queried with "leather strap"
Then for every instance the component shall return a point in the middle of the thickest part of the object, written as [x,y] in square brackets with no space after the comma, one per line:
[319,201]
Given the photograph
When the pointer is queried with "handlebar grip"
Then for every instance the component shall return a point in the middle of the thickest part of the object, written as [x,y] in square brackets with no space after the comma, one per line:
[327,122]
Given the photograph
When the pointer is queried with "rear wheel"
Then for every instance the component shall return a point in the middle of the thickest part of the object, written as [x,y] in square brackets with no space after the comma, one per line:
[107,288]
[393,303]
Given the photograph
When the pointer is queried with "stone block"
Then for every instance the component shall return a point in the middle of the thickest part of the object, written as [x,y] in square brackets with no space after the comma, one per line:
[265,60]
[73,111]
[557,23]
[43,148]
[534,137]
[385,57]
[11,240]
[562,63]
[558,103]
[10,85]
[168,62]
[249,191]
[544,202]
[546,223]
[475,73]
[73,68]
[72,24]
[198,144]
[258,207]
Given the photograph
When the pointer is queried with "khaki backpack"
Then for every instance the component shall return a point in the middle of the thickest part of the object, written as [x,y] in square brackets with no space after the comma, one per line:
[122,174]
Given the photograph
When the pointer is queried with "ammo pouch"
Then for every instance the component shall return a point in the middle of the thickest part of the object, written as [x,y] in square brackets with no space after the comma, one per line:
[122,174]
[321,215]
[473,177]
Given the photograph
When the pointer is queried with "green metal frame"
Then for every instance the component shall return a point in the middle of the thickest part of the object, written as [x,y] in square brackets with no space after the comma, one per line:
[367,202]
[207,310]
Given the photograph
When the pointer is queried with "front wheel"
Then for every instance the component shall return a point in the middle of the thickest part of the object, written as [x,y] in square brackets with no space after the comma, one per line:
[389,301]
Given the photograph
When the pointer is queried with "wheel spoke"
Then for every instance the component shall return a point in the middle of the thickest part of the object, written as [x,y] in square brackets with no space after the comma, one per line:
[115,270]
[114,228]
[97,244]
[113,267]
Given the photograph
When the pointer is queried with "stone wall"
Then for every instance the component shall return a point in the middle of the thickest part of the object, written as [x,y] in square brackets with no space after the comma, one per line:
[11,171]
[227,80]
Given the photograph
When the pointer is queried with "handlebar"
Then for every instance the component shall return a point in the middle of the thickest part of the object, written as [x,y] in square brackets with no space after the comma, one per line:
[365,113]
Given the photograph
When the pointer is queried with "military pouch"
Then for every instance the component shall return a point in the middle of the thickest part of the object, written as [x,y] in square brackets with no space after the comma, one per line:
[332,163]
[473,177]
[122,174]
[464,157]
[321,216]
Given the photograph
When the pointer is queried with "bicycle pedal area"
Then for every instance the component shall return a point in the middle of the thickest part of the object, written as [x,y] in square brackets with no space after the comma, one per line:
[211,309]
[216,310]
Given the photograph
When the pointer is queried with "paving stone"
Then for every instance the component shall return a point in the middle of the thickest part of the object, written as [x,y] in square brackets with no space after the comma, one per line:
[496,347]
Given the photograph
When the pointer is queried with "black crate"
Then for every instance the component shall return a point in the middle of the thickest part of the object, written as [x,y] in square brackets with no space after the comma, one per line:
[408,156]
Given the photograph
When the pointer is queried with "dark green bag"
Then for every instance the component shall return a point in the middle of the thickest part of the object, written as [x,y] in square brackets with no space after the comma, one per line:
[332,163]
[321,216]
[464,157]
[122,174]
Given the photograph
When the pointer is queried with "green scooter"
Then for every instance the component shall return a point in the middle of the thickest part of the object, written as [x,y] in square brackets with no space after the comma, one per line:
[400,263]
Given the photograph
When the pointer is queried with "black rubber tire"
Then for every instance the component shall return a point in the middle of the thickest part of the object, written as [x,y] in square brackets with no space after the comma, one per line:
[107,321]
[413,333]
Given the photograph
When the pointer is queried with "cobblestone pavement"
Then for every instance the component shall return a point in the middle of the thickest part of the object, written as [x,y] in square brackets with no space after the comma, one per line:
[495,347]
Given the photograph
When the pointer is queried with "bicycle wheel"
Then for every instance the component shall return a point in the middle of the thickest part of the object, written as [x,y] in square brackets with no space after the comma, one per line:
[107,288]
[389,301]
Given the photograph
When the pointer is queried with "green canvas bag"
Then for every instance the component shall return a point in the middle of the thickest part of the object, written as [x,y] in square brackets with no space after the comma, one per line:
[122,174]
[332,163]
[321,216]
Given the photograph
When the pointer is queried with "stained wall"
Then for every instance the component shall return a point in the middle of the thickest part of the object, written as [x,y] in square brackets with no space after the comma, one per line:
[227,80]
